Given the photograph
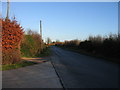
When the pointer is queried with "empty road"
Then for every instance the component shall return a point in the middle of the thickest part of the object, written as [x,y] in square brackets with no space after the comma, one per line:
[81,71]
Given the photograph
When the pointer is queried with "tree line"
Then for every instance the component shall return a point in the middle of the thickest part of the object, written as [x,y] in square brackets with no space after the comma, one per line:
[107,46]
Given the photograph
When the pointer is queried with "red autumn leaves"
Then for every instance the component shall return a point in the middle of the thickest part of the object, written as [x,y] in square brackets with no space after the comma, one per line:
[11,34]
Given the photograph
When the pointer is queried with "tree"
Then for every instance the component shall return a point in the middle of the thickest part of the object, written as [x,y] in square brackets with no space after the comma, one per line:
[57,40]
[48,40]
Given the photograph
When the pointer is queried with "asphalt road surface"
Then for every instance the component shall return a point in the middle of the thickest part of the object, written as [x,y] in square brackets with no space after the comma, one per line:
[80,71]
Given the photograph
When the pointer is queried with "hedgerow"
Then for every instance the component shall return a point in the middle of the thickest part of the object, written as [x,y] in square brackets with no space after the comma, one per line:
[12,34]
[31,45]
[97,45]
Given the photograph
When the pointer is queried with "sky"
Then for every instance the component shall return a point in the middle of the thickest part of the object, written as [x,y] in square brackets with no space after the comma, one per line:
[66,20]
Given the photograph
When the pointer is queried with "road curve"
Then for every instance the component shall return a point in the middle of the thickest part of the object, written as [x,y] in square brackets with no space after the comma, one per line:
[80,71]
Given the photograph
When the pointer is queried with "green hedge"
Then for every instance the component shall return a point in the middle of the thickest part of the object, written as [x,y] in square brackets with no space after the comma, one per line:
[31,45]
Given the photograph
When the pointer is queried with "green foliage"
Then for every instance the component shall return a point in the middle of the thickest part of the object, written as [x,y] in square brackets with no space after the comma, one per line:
[27,46]
[31,45]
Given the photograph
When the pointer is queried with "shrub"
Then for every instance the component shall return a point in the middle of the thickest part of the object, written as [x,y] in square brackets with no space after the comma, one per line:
[12,34]
[31,44]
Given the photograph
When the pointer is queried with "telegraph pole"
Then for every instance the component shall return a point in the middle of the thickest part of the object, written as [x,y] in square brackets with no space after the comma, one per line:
[41,35]
[41,29]
[8,9]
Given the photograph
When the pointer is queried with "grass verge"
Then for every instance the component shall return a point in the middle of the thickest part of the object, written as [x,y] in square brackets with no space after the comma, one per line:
[17,65]
[46,52]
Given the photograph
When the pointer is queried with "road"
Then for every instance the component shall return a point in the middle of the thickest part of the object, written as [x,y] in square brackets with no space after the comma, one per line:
[80,71]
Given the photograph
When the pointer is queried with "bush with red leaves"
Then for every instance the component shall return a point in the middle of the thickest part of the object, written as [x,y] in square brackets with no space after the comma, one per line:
[12,34]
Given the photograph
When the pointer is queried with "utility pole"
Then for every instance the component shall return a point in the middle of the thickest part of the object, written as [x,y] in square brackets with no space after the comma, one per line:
[8,9]
[40,28]
[41,35]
